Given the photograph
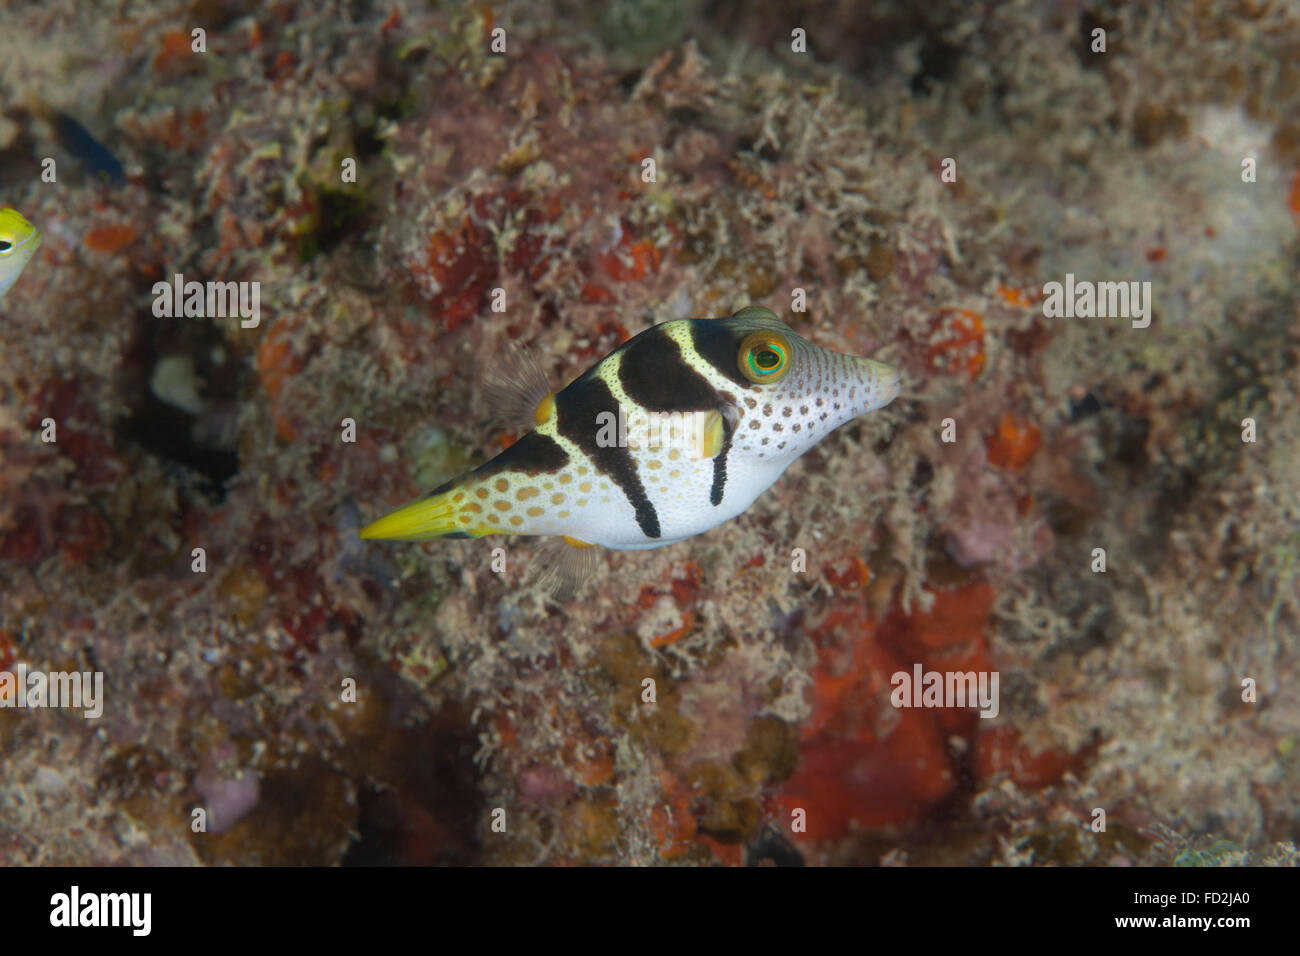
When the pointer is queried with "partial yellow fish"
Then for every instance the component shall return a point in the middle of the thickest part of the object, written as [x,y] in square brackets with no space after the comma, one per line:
[19,240]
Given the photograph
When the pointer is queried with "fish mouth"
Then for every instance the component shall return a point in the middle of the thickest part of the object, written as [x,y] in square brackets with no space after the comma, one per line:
[882,381]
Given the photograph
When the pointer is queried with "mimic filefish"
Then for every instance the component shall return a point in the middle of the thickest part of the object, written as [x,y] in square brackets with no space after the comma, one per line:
[19,240]
[679,429]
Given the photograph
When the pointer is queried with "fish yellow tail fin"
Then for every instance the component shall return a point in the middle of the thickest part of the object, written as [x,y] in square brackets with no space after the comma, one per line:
[443,514]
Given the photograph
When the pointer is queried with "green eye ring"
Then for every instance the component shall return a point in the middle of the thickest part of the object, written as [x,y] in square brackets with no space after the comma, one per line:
[764,357]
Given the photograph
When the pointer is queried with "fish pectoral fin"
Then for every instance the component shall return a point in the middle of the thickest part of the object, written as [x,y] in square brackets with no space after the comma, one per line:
[710,435]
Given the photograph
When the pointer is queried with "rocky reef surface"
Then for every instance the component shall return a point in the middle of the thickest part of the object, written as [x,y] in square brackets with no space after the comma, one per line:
[415,186]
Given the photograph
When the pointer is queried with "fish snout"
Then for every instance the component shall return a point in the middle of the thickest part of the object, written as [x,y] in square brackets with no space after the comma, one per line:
[881,382]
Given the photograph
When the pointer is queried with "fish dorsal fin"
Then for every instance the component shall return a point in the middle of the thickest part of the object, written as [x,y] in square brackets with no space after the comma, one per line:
[516,391]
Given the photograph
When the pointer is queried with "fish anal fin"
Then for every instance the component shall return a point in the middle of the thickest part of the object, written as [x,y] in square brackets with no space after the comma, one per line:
[566,563]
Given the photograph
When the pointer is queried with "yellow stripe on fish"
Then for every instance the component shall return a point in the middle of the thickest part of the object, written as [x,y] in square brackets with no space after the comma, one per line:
[676,431]
[19,240]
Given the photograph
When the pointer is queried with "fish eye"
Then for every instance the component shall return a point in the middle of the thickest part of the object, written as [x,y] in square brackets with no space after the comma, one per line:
[764,357]
[5,247]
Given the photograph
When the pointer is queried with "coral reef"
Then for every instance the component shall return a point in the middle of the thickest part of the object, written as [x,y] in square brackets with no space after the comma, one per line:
[191,532]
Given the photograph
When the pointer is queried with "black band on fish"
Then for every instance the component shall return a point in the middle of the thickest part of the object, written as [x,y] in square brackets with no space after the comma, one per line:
[720,466]
[446,486]
[717,343]
[578,412]
[656,377]
[534,454]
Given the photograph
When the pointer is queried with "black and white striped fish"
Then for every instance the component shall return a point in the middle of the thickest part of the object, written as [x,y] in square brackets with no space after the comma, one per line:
[671,434]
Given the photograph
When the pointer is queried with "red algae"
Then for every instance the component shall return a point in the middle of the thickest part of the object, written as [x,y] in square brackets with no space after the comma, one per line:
[957,343]
[110,239]
[1013,444]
